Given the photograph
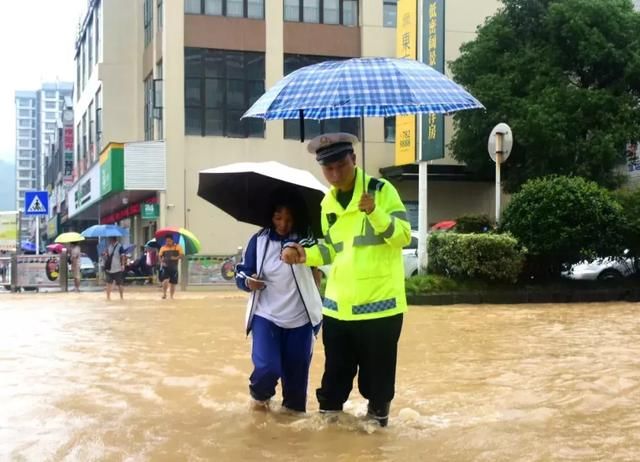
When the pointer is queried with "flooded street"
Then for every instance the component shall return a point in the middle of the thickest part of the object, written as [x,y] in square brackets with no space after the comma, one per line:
[148,379]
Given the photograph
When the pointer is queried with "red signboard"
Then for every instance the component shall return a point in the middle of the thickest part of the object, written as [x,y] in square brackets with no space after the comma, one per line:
[68,138]
[125,212]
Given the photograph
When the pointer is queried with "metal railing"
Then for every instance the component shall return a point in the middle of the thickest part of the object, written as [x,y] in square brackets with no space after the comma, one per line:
[34,272]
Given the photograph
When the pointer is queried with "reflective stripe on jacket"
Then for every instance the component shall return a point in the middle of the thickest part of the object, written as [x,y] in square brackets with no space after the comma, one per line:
[366,280]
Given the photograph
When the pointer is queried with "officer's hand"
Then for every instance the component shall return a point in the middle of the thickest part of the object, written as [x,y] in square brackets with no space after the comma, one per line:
[255,285]
[367,203]
[293,254]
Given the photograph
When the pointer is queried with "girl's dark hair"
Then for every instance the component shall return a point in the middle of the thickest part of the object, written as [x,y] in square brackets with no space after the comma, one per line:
[290,199]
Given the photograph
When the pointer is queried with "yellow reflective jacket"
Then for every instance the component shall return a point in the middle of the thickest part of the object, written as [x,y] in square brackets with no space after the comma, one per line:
[366,280]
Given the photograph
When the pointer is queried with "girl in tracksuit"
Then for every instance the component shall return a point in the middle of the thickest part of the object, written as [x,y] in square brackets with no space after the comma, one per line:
[284,313]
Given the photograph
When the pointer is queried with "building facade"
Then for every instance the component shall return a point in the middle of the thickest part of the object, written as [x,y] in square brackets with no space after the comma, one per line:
[37,113]
[164,82]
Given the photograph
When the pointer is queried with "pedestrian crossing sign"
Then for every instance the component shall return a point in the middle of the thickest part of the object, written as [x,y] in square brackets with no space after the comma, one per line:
[36,203]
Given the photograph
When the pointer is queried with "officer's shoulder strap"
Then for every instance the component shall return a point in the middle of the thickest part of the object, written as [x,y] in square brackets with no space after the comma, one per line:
[375,185]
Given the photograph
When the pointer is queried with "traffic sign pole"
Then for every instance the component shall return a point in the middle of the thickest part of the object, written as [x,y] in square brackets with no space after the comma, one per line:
[37,234]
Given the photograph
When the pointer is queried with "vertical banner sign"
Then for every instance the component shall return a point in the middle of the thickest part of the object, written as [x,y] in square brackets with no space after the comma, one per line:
[433,55]
[406,47]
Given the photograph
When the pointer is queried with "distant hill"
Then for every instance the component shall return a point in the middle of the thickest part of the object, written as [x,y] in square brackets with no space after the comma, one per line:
[7,186]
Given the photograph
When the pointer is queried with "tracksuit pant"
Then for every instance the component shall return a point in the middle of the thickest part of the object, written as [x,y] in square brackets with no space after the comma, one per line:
[279,353]
[369,346]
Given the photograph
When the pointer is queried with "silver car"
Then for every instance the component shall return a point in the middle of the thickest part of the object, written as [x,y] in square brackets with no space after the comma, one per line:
[602,269]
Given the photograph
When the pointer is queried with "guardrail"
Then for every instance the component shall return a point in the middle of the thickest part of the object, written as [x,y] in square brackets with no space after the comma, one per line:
[202,270]
[33,272]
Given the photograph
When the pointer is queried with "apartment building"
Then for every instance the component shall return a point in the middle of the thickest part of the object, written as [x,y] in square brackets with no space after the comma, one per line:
[171,79]
[36,115]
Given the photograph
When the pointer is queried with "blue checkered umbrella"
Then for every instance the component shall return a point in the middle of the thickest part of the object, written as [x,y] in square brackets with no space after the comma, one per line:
[362,87]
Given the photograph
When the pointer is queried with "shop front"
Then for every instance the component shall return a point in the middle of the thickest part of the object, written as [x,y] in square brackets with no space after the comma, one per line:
[129,193]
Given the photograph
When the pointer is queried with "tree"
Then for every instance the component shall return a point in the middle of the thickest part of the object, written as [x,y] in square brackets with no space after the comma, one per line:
[563,220]
[565,75]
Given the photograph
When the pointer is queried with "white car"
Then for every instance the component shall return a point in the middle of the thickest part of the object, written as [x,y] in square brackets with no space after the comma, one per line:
[409,254]
[601,269]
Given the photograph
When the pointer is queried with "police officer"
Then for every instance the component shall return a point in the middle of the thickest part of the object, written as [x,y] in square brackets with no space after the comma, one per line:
[365,228]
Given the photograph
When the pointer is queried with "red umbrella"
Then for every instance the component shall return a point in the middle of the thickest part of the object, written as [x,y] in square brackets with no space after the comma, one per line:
[55,248]
[443,225]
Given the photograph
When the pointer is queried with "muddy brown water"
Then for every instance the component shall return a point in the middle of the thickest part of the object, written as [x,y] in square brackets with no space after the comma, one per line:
[148,379]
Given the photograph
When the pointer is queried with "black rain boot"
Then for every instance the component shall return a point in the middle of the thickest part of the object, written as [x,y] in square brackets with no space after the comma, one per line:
[379,412]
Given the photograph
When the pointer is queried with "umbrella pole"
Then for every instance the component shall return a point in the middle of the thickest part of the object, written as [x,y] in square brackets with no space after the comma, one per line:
[301,126]
[363,150]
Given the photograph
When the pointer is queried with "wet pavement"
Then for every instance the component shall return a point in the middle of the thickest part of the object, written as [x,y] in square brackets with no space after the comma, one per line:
[82,379]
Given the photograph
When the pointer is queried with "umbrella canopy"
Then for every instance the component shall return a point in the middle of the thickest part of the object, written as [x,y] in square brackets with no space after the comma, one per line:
[152,243]
[129,248]
[66,238]
[362,87]
[189,242]
[28,247]
[444,225]
[55,248]
[104,231]
[245,191]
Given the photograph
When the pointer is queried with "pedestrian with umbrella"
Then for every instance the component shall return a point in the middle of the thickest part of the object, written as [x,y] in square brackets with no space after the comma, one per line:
[170,255]
[113,257]
[363,219]
[284,310]
[72,239]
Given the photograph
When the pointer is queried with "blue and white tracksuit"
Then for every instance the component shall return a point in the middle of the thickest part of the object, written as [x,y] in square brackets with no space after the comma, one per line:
[282,319]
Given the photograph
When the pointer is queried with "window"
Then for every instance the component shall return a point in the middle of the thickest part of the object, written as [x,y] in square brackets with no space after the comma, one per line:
[24,143]
[84,136]
[253,9]
[25,123]
[91,127]
[314,127]
[148,21]
[96,19]
[158,100]
[344,12]
[50,94]
[24,112]
[24,102]
[78,77]
[220,86]
[25,163]
[89,47]
[51,104]
[98,100]
[148,108]
[389,129]
[50,126]
[50,116]
[389,13]
[24,133]
[159,15]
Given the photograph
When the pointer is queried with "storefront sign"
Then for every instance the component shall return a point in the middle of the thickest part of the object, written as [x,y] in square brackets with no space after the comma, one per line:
[433,45]
[406,47]
[52,227]
[85,192]
[8,231]
[112,169]
[150,211]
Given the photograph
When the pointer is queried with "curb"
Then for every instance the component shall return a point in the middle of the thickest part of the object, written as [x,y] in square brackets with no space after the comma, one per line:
[518,297]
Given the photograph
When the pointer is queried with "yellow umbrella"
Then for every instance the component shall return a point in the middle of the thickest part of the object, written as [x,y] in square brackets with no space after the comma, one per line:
[66,238]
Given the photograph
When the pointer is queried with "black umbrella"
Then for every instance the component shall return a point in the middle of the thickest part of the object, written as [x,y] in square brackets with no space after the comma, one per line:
[248,192]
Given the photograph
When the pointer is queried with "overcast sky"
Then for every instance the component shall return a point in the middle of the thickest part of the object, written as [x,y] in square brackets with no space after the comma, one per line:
[36,45]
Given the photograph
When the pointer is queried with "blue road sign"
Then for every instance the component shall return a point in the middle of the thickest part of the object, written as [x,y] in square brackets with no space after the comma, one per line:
[36,203]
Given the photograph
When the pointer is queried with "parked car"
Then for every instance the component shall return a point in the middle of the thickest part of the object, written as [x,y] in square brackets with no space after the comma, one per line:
[409,254]
[87,267]
[602,269]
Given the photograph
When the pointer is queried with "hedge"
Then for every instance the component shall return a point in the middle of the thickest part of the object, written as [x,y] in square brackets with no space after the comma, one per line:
[488,257]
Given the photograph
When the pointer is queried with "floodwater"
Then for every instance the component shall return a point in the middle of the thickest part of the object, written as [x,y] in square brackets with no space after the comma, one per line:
[148,379]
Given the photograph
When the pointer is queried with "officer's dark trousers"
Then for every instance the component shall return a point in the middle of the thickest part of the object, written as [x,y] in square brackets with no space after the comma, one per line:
[368,347]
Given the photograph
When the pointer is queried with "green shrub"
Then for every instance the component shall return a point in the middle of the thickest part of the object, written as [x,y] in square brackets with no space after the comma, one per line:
[629,199]
[468,224]
[563,220]
[429,284]
[488,257]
